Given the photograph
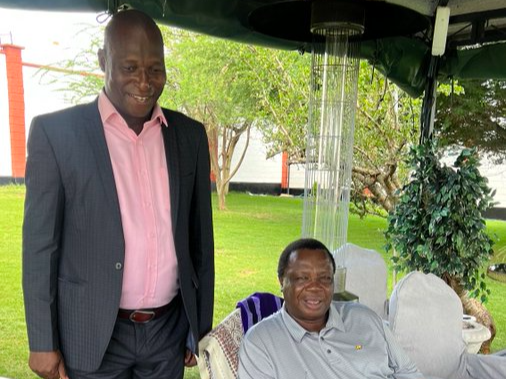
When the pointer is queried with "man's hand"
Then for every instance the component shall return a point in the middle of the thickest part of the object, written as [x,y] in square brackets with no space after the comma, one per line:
[190,359]
[47,364]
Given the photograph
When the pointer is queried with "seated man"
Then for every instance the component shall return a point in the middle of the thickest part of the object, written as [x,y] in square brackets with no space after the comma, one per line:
[313,337]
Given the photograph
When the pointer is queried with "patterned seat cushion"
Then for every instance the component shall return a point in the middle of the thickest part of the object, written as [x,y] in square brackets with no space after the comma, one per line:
[218,350]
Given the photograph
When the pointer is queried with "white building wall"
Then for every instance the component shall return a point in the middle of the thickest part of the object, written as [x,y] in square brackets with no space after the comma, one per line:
[256,168]
[496,175]
[297,176]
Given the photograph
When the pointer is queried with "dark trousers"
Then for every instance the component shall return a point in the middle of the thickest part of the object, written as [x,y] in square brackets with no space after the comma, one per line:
[154,350]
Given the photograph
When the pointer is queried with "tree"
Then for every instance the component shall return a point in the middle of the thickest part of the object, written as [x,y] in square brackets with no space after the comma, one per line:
[210,79]
[473,115]
[387,124]
[282,80]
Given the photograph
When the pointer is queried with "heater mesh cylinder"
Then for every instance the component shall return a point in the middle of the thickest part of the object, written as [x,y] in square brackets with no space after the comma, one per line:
[333,98]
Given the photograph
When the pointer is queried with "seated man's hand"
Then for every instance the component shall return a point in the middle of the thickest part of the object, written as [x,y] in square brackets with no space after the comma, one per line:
[47,364]
[190,359]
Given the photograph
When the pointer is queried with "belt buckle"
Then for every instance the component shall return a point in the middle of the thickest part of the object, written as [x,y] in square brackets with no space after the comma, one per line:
[142,314]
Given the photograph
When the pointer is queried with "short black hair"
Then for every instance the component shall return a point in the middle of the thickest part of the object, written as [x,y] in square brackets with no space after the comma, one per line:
[300,244]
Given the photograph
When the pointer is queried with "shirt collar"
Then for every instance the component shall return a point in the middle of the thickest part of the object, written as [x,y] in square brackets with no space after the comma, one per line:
[297,332]
[108,110]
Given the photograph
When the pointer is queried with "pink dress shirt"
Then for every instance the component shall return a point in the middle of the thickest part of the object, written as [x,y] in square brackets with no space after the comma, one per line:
[139,164]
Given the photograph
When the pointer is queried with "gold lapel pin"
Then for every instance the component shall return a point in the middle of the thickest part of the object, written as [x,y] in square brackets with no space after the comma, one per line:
[358,347]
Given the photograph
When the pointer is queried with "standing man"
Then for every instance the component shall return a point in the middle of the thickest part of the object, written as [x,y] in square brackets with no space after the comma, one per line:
[118,256]
[312,337]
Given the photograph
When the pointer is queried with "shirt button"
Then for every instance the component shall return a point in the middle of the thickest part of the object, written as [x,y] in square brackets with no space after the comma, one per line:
[118,266]
[329,351]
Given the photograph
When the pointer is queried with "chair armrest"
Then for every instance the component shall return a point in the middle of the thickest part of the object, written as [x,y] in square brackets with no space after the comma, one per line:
[219,349]
[481,366]
[501,353]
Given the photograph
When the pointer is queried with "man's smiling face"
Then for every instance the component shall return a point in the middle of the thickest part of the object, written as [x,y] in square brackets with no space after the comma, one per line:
[133,63]
[307,287]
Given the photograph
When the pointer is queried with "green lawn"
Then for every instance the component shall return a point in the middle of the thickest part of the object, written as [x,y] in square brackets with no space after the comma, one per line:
[249,237]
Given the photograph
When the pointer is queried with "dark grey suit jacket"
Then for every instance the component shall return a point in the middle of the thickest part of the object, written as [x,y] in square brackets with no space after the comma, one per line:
[73,243]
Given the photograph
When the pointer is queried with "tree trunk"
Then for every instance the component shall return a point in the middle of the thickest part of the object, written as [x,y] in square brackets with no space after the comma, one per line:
[222,204]
[474,308]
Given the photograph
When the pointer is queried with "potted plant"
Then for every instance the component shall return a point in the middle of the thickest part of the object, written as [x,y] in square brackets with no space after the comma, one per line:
[437,226]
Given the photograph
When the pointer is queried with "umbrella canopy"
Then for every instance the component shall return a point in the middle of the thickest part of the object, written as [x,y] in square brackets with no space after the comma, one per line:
[399,45]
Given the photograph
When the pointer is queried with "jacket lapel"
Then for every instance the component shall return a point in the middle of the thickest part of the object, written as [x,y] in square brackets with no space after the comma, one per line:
[96,136]
[171,153]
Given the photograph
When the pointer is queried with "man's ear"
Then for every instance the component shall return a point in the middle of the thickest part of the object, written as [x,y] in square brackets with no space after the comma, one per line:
[280,283]
[101,59]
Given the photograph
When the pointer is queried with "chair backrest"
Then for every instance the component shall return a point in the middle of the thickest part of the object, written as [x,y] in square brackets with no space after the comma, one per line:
[366,276]
[219,349]
[425,316]
[257,306]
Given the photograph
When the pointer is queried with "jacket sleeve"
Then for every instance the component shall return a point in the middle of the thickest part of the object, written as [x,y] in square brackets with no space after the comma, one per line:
[42,227]
[201,236]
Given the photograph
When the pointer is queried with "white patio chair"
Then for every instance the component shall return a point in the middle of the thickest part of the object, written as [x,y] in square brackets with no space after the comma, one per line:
[366,276]
[425,316]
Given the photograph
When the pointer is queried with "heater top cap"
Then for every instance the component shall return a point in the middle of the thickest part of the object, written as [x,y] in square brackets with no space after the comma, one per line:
[297,20]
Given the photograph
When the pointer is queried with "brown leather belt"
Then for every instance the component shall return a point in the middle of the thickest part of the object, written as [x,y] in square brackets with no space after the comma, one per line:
[142,316]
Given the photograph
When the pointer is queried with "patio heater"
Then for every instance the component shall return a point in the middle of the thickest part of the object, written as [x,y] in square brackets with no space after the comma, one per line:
[329,151]
[333,29]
